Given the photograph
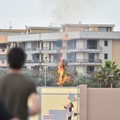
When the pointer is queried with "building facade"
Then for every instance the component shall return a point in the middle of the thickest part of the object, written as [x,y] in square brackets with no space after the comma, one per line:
[3,51]
[83,47]
[5,46]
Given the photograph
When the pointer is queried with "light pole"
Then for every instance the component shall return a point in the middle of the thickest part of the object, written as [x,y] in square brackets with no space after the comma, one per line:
[111,80]
[45,71]
[100,81]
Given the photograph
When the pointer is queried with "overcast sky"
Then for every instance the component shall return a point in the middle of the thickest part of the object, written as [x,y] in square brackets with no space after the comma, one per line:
[45,12]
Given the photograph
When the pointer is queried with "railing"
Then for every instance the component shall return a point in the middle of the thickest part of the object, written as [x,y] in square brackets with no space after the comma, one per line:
[3,51]
[67,49]
[84,61]
[77,61]
[32,49]
[3,63]
[72,49]
[32,61]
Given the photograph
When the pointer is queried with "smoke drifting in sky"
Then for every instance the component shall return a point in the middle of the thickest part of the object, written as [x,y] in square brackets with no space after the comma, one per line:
[44,12]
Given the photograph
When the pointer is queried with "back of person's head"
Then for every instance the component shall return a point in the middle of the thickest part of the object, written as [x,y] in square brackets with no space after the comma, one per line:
[16,58]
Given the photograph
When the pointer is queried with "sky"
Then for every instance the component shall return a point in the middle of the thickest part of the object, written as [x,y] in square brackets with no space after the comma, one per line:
[21,13]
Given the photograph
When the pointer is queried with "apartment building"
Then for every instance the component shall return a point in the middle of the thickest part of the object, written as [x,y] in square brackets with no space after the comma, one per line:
[4,43]
[84,47]
[3,51]
[4,33]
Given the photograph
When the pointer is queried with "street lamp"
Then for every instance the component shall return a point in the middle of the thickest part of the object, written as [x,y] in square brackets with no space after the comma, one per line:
[45,71]
[100,81]
[111,80]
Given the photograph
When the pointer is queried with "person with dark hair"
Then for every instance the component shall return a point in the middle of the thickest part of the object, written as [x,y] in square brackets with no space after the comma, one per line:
[16,89]
[69,109]
[16,58]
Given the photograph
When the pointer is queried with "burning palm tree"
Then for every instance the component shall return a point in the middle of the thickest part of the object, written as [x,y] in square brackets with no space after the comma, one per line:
[63,76]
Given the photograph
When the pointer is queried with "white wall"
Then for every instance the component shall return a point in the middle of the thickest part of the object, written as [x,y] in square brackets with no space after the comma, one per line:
[20,38]
[80,43]
[105,49]
[81,69]
[79,55]
[55,36]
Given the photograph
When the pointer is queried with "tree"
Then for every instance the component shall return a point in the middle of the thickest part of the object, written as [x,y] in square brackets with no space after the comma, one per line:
[39,77]
[109,73]
[85,79]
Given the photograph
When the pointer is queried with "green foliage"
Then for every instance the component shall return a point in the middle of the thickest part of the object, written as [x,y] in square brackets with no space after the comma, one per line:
[85,79]
[109,68]
[39,77]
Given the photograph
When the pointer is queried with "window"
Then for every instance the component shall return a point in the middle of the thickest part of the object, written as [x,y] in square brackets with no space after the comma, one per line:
[49,57]
[105,43]
[71,57]
[3,58]
[90,69]
[57,44]
[91,57]
[71,44]
[35,57]
[105,56]
[56,58]
[105,29]
[92,44]
[109,29]
[50,45]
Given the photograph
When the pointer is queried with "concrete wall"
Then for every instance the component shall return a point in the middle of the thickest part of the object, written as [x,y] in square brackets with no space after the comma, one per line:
[105,50]
[24,38]
[99,103]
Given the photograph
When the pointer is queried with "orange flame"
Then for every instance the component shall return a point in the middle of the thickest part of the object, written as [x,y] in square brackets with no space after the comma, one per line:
[61,76]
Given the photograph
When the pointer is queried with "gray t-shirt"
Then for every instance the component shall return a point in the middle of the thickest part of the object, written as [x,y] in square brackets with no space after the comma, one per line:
[14,92]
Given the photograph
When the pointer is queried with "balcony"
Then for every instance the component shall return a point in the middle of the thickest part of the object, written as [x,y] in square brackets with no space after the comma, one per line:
[3,64]
[83,49]
[32,63]
[50,63]
[68,50]
[75,62]
[3,51]
[84,62]
[38,63]
[50,50]
[70,62]
[32,50]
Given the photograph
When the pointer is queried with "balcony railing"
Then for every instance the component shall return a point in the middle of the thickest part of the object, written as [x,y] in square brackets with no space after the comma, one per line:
[3,51]
[32,61]
[67,49]
[3,64]
[32,49]
[69,62]
[71,49]
[84,61]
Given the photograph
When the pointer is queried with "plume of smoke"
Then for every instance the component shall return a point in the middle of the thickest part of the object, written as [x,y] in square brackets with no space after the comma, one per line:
[71,11]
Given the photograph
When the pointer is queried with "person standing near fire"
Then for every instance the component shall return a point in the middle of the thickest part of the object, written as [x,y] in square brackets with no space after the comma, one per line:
[70,109]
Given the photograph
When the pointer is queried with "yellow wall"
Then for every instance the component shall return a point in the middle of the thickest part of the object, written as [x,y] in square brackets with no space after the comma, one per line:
[81,28]
[3,39]
[116,51]
[94,28]
[55,99]
[71,29]
[42,31]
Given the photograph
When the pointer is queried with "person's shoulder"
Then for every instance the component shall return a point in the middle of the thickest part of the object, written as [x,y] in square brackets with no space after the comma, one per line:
[27,79]
[3,77]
